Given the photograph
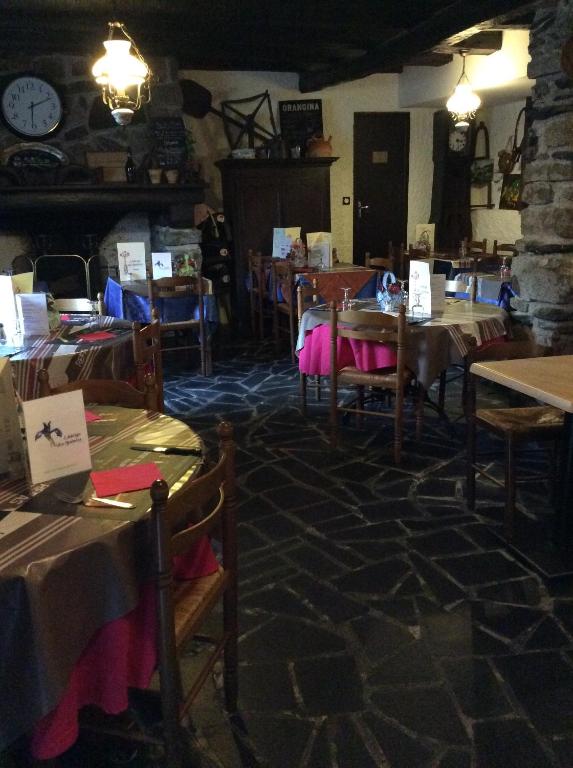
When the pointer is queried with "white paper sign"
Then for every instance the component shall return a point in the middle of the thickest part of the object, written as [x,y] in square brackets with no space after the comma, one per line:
[8,314]
[319,246]
[438,292]
[283,238]
[161,265]
[56,436]
[33,313]
[12,452]
[419,288]
[131,261]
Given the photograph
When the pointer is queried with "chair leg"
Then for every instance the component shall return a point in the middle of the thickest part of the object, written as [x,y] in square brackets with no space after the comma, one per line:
[471,445]
[420,411]
[509,521]
[442,391]
[333,415]
[302,379]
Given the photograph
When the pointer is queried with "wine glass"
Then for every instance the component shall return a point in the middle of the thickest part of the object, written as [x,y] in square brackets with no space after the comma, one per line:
[346,299]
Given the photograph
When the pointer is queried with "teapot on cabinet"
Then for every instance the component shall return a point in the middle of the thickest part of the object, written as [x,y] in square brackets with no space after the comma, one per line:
[318,146]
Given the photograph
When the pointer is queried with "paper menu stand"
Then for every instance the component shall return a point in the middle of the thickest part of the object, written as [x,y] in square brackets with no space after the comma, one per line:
[438,292]
[161,265]
[283,238]
[12,449]
[56,436]
[131,262]
[419,289]
[32,313]
[319,245]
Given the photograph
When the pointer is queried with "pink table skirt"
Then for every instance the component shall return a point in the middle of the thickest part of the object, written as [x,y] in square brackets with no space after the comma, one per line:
[314,357]
[120,655]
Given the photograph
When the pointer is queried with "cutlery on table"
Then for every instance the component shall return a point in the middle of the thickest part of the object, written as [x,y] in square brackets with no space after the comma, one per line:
[167,449]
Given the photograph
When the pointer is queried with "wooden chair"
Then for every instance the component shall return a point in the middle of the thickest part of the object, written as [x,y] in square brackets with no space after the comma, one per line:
[384,329]
[106,391]
[380,263]
[81,306]
[501,250]
[259,300]
[283,292]
[147,356]
[177,288]
[515,427]
[203,506]
[307,296]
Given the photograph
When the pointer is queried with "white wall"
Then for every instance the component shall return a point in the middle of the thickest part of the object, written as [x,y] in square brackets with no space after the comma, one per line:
[496,224]
[378,93]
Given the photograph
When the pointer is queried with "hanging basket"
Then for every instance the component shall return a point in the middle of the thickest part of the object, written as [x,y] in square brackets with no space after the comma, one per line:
[507,159]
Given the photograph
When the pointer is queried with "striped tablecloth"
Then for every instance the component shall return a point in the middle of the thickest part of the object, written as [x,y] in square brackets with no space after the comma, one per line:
[66,571]
[105,359]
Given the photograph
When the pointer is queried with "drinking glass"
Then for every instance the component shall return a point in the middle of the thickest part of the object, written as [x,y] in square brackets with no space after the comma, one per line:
[346,303]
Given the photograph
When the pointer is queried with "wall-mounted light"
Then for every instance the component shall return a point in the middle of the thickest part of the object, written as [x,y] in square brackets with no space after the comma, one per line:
[463,102]
[122,74]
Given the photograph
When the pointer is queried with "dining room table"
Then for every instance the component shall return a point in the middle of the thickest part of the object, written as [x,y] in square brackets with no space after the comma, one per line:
[435,341]
[77,595]
[547,380]
[81,347]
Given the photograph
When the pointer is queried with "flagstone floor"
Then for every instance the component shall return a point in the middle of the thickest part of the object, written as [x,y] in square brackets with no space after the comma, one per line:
[382,623]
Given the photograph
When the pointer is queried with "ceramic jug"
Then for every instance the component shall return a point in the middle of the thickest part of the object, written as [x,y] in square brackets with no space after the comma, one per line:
[318,146]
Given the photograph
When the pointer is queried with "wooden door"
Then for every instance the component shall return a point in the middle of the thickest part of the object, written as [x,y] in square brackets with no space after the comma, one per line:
[381,151]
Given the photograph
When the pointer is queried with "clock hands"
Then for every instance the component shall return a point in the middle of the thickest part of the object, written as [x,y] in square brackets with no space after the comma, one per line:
[37,103]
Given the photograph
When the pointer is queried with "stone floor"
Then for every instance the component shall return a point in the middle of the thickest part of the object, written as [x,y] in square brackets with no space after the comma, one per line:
[382,624]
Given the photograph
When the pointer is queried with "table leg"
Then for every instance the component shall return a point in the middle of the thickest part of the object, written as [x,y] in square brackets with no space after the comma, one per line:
[564,513]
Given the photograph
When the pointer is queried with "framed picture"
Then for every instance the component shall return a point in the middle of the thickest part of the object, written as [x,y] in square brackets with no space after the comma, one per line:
[510,197]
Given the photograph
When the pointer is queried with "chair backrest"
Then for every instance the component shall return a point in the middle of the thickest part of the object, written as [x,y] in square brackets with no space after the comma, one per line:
[306,296]
[147,357]
[282,279]
[504,249]
[380,263]
[105,391]
[476,246]
[178,523]
[175,288]
[80,306]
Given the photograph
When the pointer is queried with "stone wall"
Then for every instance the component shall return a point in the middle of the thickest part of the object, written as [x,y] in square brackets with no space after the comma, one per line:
[544,267]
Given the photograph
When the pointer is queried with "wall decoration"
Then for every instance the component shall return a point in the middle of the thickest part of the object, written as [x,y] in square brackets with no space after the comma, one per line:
[300,120]
[510,197]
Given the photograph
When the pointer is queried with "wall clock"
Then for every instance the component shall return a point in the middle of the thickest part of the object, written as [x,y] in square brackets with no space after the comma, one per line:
[459,141]
[31,106]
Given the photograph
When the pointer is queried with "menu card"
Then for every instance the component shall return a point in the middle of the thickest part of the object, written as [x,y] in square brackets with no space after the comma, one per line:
[438,292]
[12,452]
[283,238]
[131,261]
[8,314]
[56,436]
[33,313]
[319,246]
[161,265]
[419,288]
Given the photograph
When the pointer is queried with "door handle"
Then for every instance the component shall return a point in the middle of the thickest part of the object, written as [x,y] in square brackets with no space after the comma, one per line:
[360,208]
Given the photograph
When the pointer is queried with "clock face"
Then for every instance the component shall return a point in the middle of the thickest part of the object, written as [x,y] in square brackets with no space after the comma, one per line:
[458,140]
[31,106]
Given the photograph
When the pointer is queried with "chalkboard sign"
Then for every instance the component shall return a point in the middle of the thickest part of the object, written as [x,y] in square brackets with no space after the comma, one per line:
[299,120]
[169,137]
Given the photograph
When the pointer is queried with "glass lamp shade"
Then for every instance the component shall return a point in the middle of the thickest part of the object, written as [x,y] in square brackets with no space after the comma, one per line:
[463,104]
[123,78]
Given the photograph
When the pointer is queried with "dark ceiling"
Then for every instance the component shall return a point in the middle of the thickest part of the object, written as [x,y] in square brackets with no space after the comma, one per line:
[324,41]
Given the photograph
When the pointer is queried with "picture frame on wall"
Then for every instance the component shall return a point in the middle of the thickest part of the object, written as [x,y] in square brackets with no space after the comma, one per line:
[510,196]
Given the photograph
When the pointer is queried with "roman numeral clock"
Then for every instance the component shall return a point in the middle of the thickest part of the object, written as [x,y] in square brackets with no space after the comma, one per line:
[31,107]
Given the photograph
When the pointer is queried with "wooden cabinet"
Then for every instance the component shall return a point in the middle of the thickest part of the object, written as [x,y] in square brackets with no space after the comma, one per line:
[259,195]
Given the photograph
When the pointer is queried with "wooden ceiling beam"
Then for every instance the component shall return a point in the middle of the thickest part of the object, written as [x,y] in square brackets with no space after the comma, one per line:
[443,24]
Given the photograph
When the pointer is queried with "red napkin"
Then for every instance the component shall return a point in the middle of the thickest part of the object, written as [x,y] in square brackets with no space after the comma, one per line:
[64,317]
[110,482]
[91,416]
[96,336]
